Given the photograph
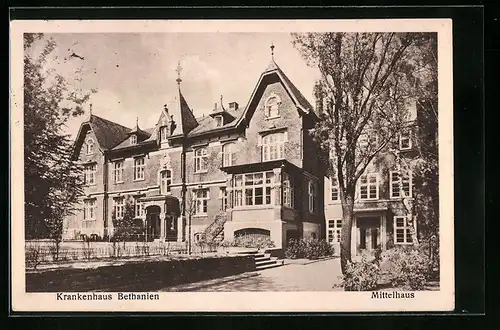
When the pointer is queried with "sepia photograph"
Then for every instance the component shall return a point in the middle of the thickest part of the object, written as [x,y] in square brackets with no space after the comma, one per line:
[163,161]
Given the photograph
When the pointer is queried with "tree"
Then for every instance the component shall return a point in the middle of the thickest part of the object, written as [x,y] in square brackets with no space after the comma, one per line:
[367,83]
[53,180]
[127,226]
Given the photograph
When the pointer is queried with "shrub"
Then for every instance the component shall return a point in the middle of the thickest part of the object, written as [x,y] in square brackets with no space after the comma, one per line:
[33,255]
[407,267]
[361,276]
[311,248]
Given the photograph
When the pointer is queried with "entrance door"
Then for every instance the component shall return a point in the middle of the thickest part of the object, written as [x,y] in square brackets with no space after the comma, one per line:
[152,226]
[369,234]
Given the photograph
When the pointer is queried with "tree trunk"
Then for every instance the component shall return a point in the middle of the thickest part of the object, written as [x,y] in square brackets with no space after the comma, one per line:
[345,238]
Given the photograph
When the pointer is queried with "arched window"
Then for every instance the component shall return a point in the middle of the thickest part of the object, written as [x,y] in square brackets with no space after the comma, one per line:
[90,146]
[273,146]
[200,160]
[228,154]
[165,181]
[272,106]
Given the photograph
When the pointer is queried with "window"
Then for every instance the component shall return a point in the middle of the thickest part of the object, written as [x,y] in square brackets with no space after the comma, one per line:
[139,208]
[118,172]
[402,231]
[165,181]
[400,184]
[334,189]
[90,147]
[119,207]
[405,140]
[334,231]
[273,146]
[223,198]
[218,121]
[253,189]
[163,133]
[200,200]
[228,154]
[133,139]
[288,194]
[89,209]
[312,196]
[368,138]
[200,160]
[89,172]
[139,166]
[368,186]
[272,107]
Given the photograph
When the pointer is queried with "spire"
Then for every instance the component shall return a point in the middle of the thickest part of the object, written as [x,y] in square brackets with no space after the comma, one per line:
[272,66]
[179,70]
[90,111]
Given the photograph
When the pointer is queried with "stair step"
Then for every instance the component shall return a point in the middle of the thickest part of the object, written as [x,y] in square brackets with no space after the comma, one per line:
[271,265]
[260,257]
[264,262]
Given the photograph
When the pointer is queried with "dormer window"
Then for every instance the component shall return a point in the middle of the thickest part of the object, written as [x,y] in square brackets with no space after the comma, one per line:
[163,133]
[133,139]
[218,121]
[272,106]
[90,146]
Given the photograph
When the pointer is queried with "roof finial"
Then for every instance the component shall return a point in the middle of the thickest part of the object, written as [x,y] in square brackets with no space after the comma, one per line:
[90,110]
[272,51]
[179,70]
[137,121]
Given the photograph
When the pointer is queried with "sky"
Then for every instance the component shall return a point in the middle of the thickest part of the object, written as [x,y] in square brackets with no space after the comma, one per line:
[135,74]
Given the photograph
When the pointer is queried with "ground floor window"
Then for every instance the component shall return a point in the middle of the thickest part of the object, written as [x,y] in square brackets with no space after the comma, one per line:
[288,195]
[334,231]
[89,208]
[139,208]
[402,232]
[223,198]
[119,206]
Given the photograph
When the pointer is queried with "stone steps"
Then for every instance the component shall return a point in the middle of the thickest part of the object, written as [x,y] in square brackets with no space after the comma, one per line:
[262,260]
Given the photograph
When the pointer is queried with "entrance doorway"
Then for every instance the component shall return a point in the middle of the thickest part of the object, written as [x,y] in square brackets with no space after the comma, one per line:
[153,228]
[369,234]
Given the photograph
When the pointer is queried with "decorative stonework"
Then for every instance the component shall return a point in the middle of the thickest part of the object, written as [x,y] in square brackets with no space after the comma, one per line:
[165,162]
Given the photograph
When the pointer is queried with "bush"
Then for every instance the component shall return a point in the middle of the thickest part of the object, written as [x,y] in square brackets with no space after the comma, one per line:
[361,276]
[311,248]
[253,241]
[407,267]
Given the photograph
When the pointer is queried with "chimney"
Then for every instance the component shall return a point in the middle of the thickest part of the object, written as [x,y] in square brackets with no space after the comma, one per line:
[233,106]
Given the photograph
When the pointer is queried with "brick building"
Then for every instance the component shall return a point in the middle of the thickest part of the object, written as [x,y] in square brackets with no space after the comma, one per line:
[250,169]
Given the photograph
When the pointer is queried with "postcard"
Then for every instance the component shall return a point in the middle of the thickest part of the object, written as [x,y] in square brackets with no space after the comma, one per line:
[231,165]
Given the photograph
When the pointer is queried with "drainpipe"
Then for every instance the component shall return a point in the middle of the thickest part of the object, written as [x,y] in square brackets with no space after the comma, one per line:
[183,192]
[105,195]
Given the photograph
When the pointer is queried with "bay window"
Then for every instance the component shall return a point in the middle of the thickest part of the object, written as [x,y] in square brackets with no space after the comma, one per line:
[253,189]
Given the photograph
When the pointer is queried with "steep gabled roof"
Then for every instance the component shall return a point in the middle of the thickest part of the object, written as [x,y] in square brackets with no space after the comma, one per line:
[107,133]
[298,98]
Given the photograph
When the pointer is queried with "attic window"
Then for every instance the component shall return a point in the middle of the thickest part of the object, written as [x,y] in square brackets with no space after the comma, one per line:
[163,133]
[133,139]
[272,106]
[218,121]
[90,147]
